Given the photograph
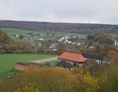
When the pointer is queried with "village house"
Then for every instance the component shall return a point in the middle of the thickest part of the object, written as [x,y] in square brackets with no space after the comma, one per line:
[115,43]
[53,47]
[41,39]
[73,59]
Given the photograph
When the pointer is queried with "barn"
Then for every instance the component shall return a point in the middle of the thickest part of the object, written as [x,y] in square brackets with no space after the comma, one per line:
[73,59]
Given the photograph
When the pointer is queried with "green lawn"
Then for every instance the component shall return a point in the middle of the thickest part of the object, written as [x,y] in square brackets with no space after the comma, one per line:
[7,61]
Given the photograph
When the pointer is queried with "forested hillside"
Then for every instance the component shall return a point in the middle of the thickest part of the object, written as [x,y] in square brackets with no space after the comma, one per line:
[67,27]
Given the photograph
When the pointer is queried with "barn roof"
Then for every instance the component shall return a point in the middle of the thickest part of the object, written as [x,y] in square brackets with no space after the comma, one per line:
[92,56]
[72,57]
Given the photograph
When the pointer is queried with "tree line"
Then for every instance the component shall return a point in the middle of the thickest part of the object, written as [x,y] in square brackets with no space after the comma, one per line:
[58,27]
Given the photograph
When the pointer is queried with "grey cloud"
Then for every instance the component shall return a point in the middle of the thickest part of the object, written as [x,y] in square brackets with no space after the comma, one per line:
[103,11]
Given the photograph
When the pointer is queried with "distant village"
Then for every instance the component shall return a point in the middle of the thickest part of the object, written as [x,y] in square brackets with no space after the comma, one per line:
[55,39]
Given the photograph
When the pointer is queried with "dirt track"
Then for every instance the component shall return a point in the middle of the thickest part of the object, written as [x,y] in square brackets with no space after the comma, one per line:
[44,60]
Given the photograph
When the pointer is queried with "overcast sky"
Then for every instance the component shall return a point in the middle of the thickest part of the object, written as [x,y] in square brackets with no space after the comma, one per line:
[76,11]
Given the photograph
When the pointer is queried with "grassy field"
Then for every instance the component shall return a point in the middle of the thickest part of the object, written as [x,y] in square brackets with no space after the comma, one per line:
[12,31]
[7,61]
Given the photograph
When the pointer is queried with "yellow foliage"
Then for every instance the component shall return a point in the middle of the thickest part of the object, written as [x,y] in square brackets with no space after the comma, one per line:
[91,84]
[28,88]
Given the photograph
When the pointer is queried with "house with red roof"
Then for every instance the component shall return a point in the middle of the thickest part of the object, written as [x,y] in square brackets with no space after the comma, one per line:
[74,59]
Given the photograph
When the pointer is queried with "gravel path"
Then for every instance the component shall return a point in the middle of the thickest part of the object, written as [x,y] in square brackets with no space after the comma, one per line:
[44,60]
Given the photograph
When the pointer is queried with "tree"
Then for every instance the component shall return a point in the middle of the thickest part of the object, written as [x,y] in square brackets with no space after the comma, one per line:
[98,49]
[89,65]
[56,79]
[4,38]
[61,48]
[108,81]
[116,38]
[113,56]
[87,83]
[101,37]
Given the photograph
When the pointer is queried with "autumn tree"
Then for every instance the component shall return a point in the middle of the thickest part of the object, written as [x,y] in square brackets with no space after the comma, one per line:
[116,37]
[4,38]
[108,80]
[61,48]
[45,80]
[28,88]
[113,56]
[101,37]
[98,49]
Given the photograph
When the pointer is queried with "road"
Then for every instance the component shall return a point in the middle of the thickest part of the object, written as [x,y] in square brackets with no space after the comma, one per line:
[44,60]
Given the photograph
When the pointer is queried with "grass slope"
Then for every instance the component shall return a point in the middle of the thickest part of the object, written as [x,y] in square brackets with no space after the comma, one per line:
[11,31]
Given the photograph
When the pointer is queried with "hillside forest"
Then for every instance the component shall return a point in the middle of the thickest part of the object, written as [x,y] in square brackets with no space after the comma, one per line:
[83,28]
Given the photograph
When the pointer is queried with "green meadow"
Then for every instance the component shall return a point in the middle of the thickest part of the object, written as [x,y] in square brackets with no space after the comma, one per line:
[12,31]
[7,61]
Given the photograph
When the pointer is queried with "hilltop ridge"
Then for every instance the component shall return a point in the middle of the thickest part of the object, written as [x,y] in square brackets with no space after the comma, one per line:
[58,27]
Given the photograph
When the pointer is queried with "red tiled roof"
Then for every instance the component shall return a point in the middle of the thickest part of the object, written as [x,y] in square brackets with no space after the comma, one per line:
[72,57]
